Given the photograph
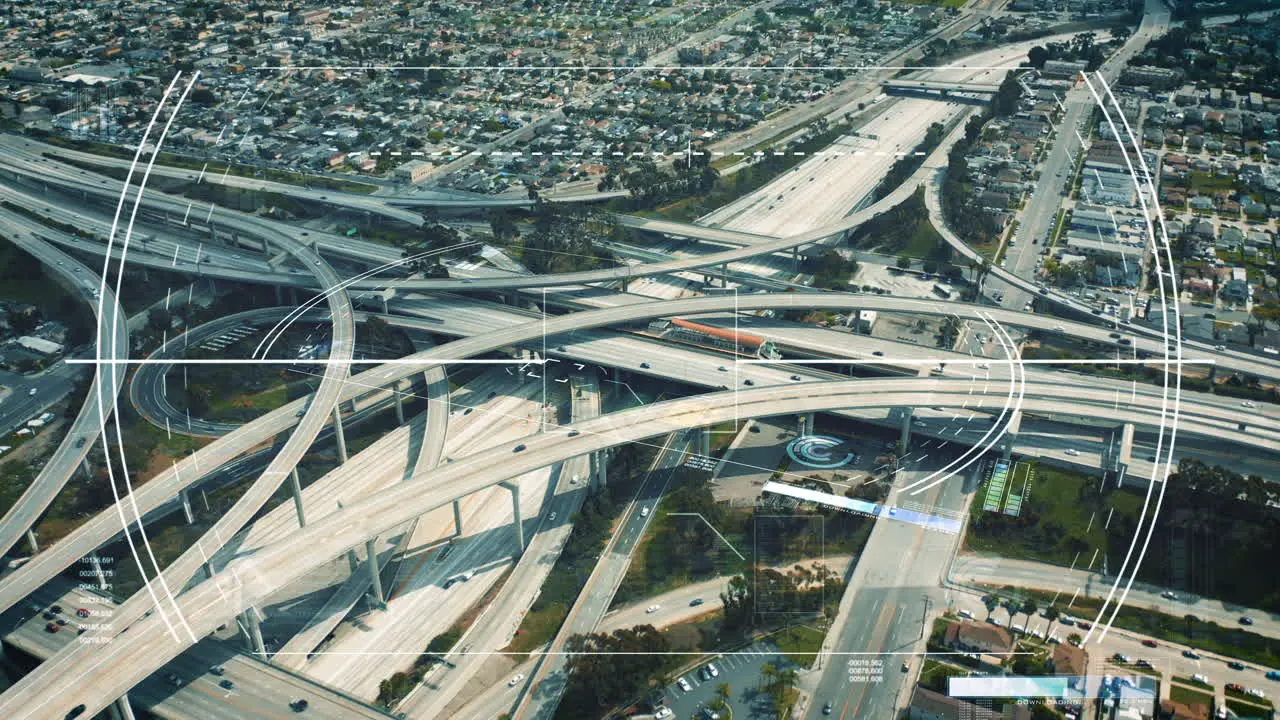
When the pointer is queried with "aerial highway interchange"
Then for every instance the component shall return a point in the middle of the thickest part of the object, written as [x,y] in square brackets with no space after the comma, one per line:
[455,478]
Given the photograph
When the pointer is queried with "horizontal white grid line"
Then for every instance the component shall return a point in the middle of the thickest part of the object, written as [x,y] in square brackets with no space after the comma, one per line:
[642,68]
[284,361]
[648,153]
[985,361]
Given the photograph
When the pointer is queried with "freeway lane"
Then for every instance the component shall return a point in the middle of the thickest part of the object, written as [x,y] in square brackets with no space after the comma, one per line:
[308,428]
[98,403]
[251,579]
[1152,340]
[167,484]
[882,608]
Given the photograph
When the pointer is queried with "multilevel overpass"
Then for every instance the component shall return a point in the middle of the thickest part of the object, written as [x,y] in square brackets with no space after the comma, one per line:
[1153,341]
[102,673]
[89,424]
[261,691]
[167,484]
[1208,422]
[939,86]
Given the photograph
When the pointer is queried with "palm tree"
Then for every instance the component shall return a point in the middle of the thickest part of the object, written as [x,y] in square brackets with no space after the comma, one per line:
[1029,607]
[723,692]
[992,601]
[984,269]
[1051,614]
[768,672]
[1011,607]
[785,679]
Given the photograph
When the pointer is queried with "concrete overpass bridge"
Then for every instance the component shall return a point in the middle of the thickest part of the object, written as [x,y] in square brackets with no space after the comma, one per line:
[102,674]
[939,86]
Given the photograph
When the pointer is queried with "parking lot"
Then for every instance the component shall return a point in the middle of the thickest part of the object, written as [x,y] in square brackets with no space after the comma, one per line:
[741,670]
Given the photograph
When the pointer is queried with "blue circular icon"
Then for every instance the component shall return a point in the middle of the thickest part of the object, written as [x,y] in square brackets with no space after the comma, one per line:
[818,451]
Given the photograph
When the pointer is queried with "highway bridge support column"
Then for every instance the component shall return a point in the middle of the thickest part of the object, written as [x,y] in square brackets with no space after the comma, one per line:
[704,442]
[371,553]
[1124,454]
[904,441]
[121,710]
[337,433]
[1011,436]
[457,518]
[31,541]
[84,465]
[600,467]
[253,626]
[398,401]
[805,424]
[295,484]
[97,571]
[185,497]
[514,489]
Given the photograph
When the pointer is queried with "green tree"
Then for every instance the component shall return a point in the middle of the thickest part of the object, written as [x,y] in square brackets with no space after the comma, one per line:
[991,601]
[1051,614]
[1029,608]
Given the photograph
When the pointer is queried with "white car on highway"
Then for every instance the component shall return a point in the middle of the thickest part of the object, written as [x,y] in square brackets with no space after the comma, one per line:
[515,680]
[652,609]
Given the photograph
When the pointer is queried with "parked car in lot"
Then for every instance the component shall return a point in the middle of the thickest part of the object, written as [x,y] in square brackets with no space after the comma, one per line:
[683,684]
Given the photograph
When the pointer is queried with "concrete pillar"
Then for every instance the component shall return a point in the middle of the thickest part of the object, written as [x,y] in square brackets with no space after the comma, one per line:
[1011,435]
[31,541]
[84,465]
[186,507]
[97,570]
[253,624]
[704,442]
[806,424]
[905,440]
[279,295]
[295,484]
[398,401]
[371,551]
[600,459]
[457,517]
[121,708]
[293,296]
[208,570]
[514,489]
[337,430]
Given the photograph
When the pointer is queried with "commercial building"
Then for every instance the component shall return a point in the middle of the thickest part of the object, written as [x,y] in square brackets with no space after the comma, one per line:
[40,345]
[414,171]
